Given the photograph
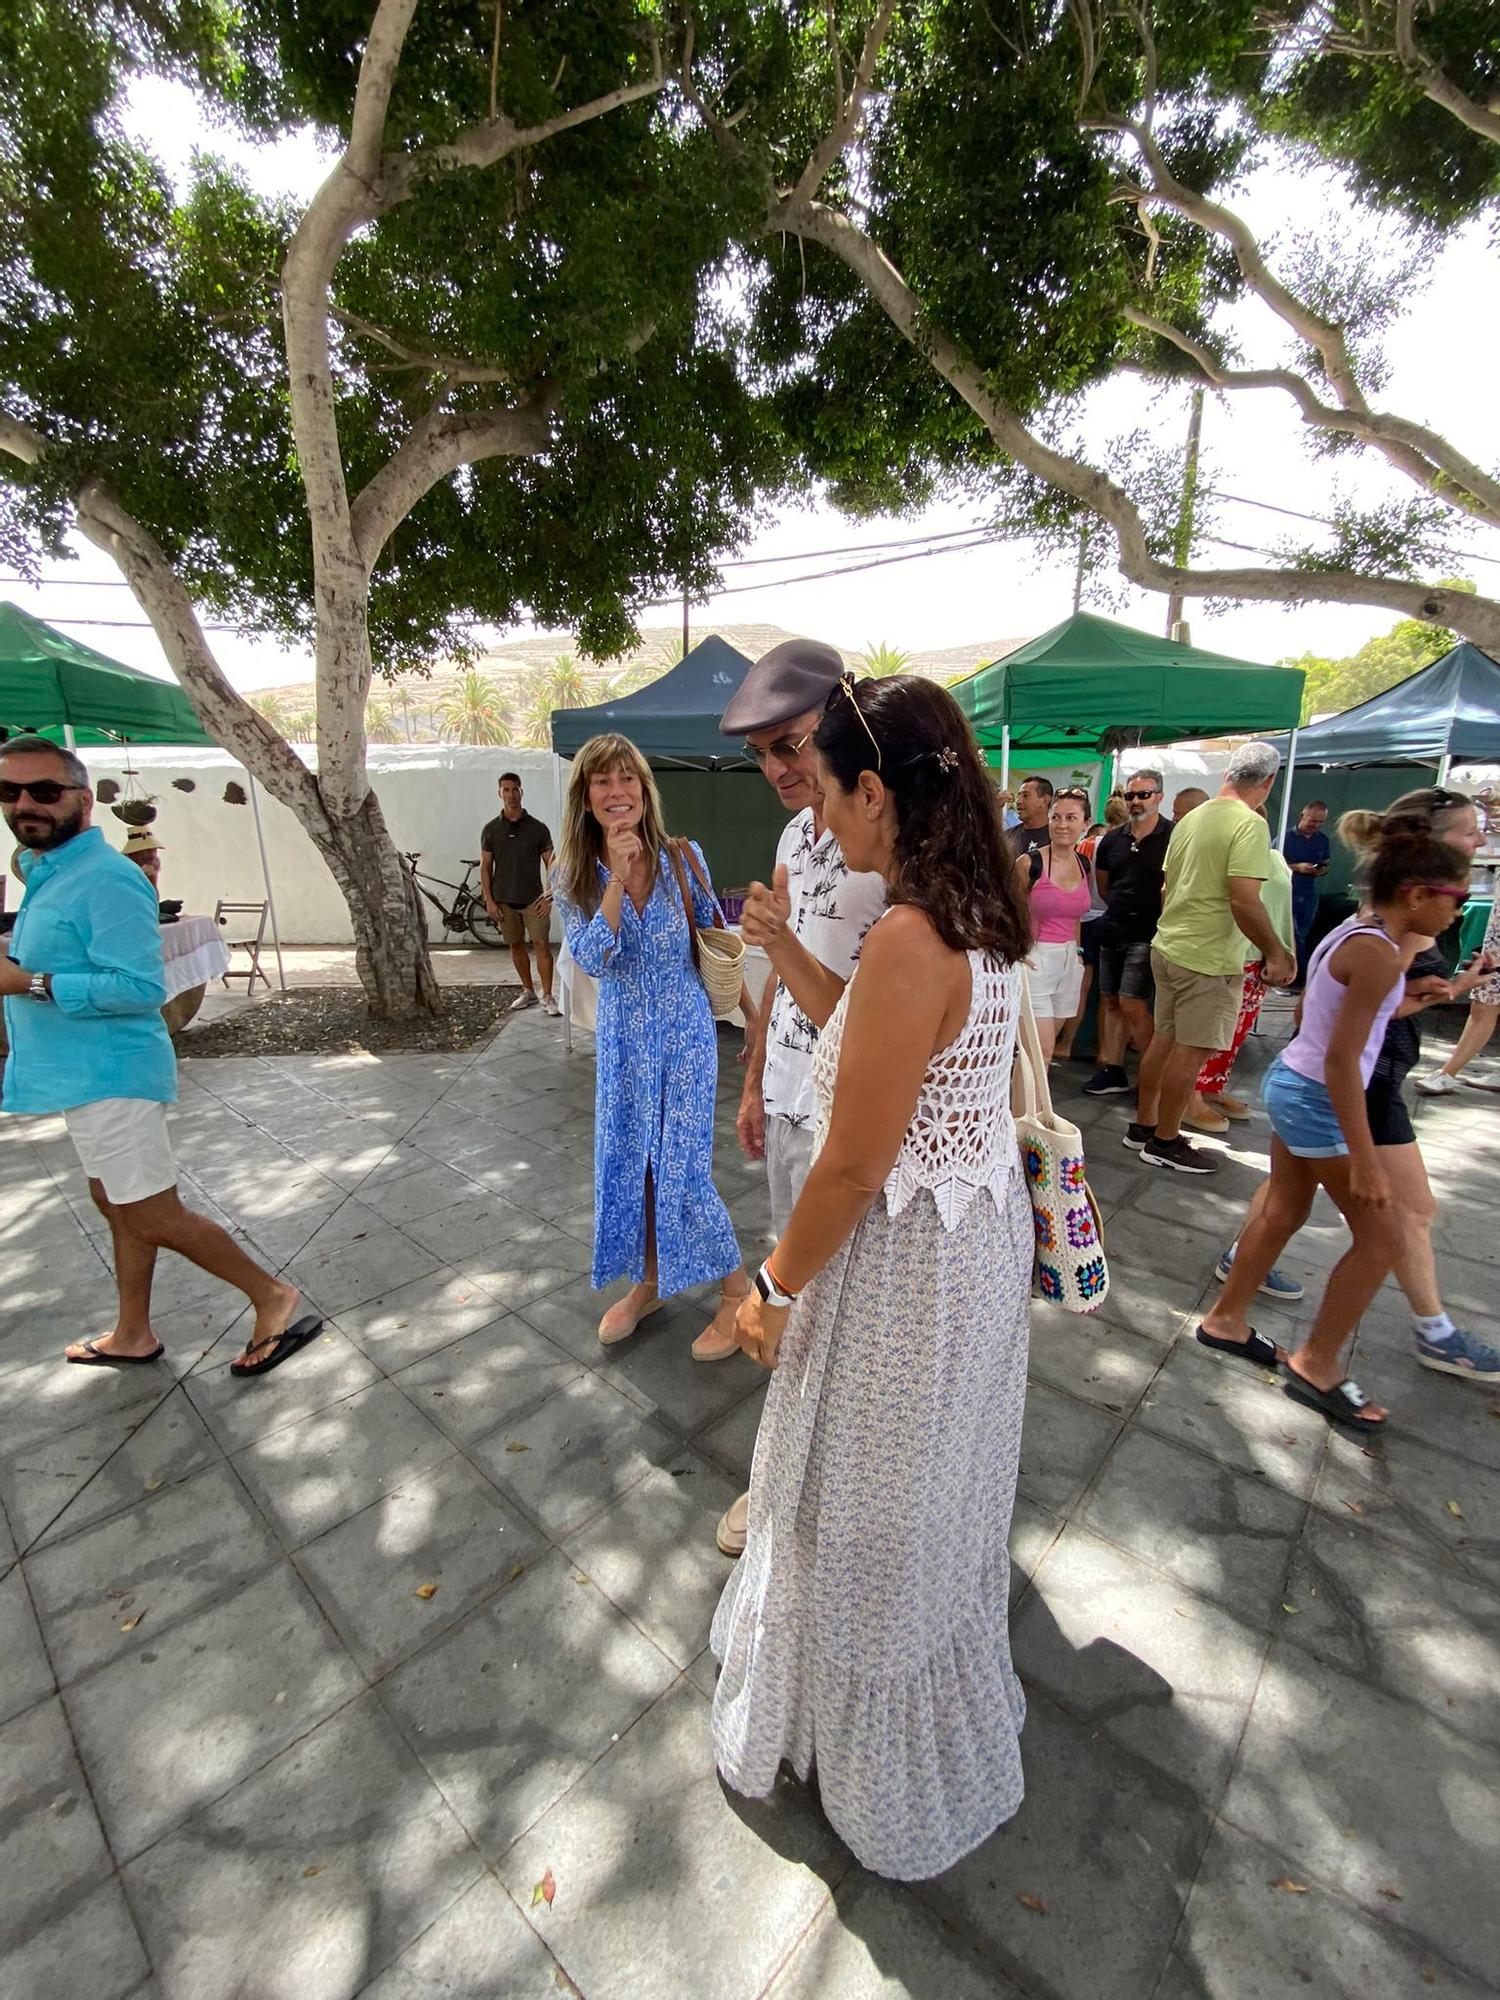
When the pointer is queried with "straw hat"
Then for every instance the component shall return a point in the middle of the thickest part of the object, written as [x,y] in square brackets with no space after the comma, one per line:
[140,840]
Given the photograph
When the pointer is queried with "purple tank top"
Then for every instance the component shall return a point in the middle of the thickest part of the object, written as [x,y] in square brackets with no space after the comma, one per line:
[1307,1052]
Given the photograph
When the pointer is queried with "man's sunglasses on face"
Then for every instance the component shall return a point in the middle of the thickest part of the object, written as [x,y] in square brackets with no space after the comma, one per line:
[1136,798]
[784,750]
[45,791]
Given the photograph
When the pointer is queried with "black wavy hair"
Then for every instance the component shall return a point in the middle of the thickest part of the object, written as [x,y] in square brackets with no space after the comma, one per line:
[953,861]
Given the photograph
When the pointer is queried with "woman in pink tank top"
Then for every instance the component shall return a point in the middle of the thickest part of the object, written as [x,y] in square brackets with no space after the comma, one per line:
[1059,884]
[1314,1093]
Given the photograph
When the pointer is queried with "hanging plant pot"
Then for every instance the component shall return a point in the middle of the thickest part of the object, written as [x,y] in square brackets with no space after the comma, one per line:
[106,791]
[136,812]
[235,795]
[183,785]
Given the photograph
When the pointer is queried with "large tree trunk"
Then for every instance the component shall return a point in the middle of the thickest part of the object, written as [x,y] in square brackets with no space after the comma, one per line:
[390,934]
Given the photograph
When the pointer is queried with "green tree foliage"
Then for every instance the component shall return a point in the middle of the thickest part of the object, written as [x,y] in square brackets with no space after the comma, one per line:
[474,710]
[882,660]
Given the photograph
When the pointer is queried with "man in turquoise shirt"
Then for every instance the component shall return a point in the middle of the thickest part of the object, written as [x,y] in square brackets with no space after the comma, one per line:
[83,992]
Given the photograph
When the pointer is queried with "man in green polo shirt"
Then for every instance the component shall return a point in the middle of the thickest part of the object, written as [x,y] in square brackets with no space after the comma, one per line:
[1217,859]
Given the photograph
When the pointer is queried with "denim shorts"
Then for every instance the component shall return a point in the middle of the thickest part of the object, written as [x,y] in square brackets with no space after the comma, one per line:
[1302,1114]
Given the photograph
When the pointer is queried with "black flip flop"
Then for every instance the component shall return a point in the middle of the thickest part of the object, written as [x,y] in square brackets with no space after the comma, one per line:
[92,1358]
[1341,1404]
[296,1336]
[1257,1350]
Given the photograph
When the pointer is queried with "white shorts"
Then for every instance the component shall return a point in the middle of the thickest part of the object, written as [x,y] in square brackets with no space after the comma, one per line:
[788,1163]
[1054,977]
[122,1141]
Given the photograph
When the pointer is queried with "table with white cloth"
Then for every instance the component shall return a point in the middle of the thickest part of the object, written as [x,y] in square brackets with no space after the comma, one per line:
[580,991]
[193,952]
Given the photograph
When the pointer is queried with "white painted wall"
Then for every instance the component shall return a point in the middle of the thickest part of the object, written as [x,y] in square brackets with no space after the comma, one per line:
[436,797]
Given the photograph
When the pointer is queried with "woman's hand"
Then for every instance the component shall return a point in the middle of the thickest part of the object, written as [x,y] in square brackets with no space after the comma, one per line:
[622,844]
[759,1327]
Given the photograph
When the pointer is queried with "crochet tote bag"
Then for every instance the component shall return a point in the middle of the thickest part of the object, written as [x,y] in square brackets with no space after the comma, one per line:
[1070,1266]
[717,951]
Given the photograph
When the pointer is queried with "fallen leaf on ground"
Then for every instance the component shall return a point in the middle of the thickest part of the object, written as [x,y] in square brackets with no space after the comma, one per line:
[1291,1611]
[154,1485]
[1291,1888]
[1429,1977]
[1391,1893]
[544,1891]
[131,1623]
[280,1697]
[516,1445]
[425,1590]
[1180,1612]
[516,1569]
[1355,1506]
[315,1869]
[399,1324]
[1033,1903]
[1455,1510]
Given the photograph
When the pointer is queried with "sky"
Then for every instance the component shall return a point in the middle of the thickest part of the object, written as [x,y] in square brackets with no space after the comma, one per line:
[1440,361]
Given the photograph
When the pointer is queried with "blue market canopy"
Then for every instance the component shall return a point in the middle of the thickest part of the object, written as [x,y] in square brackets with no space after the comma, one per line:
[1450,709]
[50,683]
[676,719]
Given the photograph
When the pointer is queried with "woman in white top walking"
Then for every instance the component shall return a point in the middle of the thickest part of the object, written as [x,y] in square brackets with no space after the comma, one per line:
[865,1629]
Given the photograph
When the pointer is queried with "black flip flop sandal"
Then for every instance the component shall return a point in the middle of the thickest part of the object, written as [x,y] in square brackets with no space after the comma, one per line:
[1257,1350]
[1341,1404]
[91,1357]
[296,1336]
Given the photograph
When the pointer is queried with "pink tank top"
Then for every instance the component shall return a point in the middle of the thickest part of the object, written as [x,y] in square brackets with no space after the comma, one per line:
[1307,1052]
[1057,913]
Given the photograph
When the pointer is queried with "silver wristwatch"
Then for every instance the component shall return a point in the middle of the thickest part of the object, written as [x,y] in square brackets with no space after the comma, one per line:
[38,987]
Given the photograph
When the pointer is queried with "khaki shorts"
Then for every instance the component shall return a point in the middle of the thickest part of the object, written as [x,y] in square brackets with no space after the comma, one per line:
[516,924]
[1198,1009]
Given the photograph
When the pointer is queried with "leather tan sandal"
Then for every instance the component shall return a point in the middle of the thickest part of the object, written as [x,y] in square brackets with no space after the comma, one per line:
[620,1322]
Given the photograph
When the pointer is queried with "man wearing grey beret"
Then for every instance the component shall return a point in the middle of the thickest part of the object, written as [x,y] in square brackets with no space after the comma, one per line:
[810,923]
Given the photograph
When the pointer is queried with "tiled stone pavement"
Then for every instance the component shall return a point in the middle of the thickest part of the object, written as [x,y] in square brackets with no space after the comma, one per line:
[240,1756]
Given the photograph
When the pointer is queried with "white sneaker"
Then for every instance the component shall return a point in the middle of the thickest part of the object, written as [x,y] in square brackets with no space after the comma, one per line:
[550,1006]
[522,1001]
[1439,1084]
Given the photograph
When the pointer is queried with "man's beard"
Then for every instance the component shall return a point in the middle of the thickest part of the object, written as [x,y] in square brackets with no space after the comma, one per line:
[57,834]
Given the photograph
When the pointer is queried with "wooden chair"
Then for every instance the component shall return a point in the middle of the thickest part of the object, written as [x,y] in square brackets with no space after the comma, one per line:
[252,944]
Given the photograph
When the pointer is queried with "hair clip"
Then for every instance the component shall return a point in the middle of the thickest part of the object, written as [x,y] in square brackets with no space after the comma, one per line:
[948,758]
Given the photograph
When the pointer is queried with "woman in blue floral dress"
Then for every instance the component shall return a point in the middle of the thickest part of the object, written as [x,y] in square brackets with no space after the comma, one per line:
[657,1214]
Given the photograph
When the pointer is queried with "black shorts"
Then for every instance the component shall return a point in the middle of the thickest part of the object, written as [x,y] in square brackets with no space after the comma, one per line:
[1385,1107]
[1125,971]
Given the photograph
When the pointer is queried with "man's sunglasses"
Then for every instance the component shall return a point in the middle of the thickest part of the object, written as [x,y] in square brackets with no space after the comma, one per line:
[784,750]
[45,791]
[1133,798]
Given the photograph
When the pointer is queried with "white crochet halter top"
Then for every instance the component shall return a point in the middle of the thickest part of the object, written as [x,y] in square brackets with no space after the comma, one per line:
[962,1137]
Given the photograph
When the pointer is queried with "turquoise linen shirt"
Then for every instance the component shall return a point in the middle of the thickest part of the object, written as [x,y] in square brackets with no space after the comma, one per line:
[89,918]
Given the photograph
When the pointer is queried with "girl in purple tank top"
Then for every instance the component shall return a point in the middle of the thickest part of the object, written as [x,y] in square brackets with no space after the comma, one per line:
[1314,1094]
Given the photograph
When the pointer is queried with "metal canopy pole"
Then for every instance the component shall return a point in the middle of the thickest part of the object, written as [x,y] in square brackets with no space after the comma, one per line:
[1286,794]
[1005,756]
[265,876]
[1444,767]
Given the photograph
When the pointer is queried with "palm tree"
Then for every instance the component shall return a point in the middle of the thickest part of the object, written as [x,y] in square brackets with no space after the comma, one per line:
[380,720]
[302,726]
[273,707]
[473,710]
[883,660]
[546,689]
[566,680]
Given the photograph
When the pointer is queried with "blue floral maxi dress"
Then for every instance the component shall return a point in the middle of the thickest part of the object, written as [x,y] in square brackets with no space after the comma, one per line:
[657,1067]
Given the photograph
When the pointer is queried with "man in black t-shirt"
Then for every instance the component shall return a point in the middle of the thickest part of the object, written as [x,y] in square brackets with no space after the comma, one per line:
[1128,868]
[515,853]
[1033,803]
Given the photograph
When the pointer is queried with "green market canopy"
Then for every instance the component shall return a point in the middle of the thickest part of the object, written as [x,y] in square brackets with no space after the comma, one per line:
[1091,686]
[50,683]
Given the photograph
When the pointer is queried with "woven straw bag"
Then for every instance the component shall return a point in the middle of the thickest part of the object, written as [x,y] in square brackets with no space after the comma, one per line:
[718,952]
[1070,1267]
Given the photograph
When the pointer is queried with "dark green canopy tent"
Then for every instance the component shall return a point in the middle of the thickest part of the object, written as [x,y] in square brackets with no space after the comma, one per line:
[50,684]
[1091,686]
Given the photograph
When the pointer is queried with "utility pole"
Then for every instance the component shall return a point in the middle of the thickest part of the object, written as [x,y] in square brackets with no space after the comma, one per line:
[1083,543]
[684,624]
[1182,548]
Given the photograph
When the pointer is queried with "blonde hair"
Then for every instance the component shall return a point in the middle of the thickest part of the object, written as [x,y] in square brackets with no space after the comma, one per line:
[1116,812]
[1426,810]
[580,847]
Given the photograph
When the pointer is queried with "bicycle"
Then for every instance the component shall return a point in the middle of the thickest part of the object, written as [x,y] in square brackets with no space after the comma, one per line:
[467,912]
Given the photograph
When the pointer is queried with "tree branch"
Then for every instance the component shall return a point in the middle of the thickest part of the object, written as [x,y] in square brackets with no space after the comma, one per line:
[438,444]
[848,114]
[453,366]
[1478,618]
[224,713]
[1443,467]
[1435,83]
[19,440]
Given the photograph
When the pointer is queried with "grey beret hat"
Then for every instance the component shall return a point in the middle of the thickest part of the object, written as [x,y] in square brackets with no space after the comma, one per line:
[792,678]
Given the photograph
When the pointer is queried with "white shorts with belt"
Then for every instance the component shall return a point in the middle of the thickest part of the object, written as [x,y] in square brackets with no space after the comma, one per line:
[1054,977]
[122,1142]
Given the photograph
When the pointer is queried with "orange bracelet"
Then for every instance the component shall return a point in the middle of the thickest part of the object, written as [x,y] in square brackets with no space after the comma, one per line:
[777,1282]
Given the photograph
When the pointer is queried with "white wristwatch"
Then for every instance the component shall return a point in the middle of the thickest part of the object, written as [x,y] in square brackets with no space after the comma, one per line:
[771,1292]
[38,987]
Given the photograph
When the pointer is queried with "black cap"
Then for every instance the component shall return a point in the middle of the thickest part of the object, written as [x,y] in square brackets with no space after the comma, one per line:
[794,677]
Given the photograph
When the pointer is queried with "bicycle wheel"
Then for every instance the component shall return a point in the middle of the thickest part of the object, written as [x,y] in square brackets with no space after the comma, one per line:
[482,926]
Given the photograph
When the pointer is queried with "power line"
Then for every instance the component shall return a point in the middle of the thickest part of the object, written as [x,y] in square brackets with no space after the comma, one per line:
[1322,521]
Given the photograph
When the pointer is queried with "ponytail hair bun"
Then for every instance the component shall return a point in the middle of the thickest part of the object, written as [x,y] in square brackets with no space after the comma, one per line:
[1359,831]
[1406,854]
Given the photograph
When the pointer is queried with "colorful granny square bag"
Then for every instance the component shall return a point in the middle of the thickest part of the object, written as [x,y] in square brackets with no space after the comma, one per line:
[1070,1266]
